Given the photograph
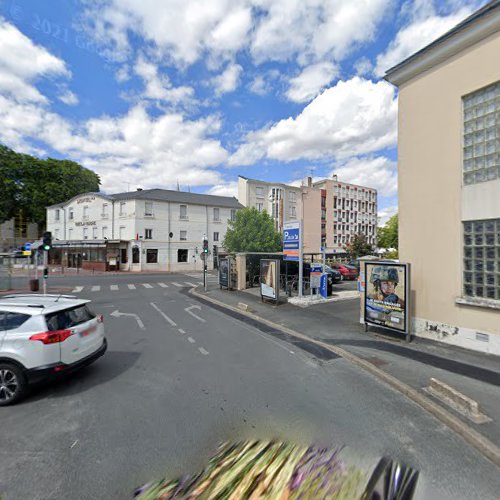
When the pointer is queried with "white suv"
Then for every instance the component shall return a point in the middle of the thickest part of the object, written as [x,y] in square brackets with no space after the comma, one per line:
[43,336]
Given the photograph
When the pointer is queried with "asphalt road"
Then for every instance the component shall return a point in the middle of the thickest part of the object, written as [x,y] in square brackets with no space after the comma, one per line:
[179,377]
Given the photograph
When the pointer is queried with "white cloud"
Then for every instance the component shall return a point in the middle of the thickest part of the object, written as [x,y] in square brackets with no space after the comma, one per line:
[363,66]
[158,87]
[259,85]
[422,30]
[354,117]
[187,30]
[228,80]
[22,63]
[225,189]
[378,172]
[69,98]
[385,214]
[311,81]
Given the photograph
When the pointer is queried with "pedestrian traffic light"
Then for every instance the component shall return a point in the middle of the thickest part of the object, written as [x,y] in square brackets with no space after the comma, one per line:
[45,273]
[47,241]
[205,246]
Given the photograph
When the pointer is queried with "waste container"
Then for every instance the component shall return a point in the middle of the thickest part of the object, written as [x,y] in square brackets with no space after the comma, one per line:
[34,285]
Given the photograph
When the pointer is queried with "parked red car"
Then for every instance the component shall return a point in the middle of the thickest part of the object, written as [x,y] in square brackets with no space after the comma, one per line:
[347,272]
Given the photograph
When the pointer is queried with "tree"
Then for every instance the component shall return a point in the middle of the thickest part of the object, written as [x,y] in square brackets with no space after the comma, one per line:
[30,184]
[358,247]
[252,231]
[388,234]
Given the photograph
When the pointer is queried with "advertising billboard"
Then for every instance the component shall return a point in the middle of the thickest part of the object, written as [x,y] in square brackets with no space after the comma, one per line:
[224,272]
[387,288]
[269,278]
[291,240]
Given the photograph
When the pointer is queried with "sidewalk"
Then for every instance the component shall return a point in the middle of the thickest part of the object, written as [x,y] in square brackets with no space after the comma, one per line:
[476,375]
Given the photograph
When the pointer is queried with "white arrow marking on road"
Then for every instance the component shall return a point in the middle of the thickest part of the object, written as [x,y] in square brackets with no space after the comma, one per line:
[131,287]
[77,289]
[188,310]
[147,285]
[117,314]
[113,287]
[95,288]
[163,285]
[173,323]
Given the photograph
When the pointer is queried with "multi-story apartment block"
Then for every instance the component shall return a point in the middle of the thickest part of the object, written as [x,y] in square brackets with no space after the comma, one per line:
[333,211]
[281,201]
[15,232]
[153,229]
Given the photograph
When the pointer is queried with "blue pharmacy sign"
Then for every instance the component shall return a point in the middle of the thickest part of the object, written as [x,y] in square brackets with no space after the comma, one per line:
[291,240]
[323,287]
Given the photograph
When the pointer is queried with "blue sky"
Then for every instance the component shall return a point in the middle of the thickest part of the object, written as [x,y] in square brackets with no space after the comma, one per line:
[149,93]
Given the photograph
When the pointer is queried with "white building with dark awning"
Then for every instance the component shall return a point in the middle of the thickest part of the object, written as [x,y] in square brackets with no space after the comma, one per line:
[143,230]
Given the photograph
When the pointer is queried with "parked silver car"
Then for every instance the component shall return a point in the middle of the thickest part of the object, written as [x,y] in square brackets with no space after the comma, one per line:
[43,336]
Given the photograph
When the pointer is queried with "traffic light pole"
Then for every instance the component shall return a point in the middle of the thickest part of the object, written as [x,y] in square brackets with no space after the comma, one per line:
[45,270]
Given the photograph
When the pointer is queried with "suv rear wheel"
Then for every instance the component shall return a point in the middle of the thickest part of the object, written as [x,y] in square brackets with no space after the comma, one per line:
[12,384]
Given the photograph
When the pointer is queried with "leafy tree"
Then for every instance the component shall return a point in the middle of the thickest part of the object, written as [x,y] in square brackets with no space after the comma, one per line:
[359,247]
[252,231]
[388,234]
[29,184]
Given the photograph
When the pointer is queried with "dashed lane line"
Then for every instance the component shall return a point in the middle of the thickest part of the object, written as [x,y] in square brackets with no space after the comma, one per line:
[172,322]
[77,289]
[191,340]
[131,287]
[203,351]
[181,331]
[95,288]
[113,287]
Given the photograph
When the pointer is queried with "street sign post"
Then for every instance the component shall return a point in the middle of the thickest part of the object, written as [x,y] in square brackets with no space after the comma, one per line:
[293,246]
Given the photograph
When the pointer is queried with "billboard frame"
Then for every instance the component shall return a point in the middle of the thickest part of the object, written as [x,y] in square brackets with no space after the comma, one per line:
[265,288]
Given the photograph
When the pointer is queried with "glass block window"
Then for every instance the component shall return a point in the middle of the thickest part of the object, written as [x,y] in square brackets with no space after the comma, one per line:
[481,154]
[481,276]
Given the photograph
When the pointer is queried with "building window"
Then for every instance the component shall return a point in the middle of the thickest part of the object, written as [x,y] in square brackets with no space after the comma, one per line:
[85,212]
[259,192]
[183,236]
[71,214]
[216,236]
[122,208]
[216,215]
[148,209]
[104,232]
[58,215]
[104,214]
[259,207]
[122,232]
[85,233]
[183,212]
[94,233]
[481,157]
[233,214]
[56,234]
[293,196]
[293,212]
[152,256]
[148,234]
[136,255]
[70,233]
[481,276]
[182,255]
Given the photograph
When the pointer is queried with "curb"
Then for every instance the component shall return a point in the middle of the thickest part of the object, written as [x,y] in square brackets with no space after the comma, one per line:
[474,438]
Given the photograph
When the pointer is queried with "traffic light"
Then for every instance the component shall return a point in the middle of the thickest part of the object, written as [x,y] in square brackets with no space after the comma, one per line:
[45,273]
[205,246]
[47,241]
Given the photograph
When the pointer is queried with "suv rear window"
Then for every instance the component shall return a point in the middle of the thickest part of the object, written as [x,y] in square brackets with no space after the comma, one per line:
[69,318]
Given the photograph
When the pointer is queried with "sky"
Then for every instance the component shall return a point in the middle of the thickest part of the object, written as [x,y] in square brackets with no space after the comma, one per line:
[155,93]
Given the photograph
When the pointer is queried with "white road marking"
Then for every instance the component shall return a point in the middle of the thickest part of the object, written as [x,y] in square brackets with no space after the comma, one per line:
[203,351]
[131,287]
[77,289]
[172,323]
[191,340]
[163,285]
[176,284]
[189,283]
[117,314]
[147,285]
[113,287]
[74,444]
[200,282]
[95,288]
[188,310]
[181,331]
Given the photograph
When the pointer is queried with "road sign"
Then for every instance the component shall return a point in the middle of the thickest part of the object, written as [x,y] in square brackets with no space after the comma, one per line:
[27,253]
[316,271]
[27,247]
[291,240]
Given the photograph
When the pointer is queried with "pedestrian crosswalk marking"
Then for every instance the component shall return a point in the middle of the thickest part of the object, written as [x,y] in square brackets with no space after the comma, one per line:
[189,283]
[77,289]
[200,282]
[113,287]
[147,285]
[176,284]
[131,287]
[95,288]
[163,285]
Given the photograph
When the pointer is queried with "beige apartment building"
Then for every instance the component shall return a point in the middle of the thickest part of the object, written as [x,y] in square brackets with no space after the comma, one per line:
[449,182]
[333,211]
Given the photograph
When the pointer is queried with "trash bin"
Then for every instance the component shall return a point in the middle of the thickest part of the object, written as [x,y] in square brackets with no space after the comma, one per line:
[34,285]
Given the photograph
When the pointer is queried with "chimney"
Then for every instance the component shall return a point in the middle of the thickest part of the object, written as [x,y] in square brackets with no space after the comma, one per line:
[334,177]
[309,182]
[139,189]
